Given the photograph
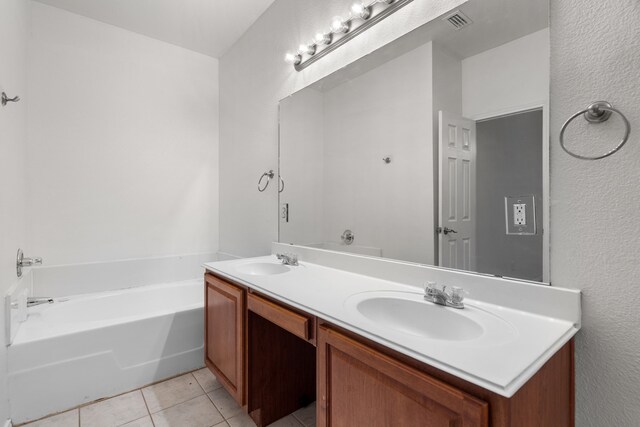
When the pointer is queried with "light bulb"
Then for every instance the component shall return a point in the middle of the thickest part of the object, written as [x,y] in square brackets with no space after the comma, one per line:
[339,25]
[309,49]
[360,10]
[293,58]
[323,38]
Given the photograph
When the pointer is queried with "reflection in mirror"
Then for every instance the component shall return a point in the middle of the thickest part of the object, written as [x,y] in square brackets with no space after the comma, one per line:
[433,149]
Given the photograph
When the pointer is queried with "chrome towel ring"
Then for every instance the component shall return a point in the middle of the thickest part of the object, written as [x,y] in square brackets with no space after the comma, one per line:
[597,112]
[269,175]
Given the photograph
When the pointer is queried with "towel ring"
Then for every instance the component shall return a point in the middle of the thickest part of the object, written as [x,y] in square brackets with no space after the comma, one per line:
[269,176]
[597,112]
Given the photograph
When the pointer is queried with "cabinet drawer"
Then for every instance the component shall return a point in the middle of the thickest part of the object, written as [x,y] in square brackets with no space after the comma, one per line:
[289,320]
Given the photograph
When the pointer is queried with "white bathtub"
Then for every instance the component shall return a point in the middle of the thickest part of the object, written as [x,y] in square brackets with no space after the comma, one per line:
[87,347]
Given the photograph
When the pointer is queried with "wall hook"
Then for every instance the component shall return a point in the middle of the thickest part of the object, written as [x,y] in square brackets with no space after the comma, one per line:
[6,99]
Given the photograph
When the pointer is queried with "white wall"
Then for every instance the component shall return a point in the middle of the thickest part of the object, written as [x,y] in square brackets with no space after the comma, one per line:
[595,237]
[366,119]
[254,77]
[507,78]
[123,143]
[13,117]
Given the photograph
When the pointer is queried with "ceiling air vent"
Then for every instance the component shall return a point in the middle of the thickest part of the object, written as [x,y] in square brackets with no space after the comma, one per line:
[458,19]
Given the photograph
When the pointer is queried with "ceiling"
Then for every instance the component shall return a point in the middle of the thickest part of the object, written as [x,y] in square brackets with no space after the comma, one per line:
[210,27]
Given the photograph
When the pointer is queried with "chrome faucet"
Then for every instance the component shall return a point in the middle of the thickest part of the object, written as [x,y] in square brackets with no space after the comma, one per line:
[33,301]
[288,259]
[440,296]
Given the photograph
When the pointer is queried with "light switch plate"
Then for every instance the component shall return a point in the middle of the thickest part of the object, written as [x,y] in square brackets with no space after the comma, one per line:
[520,214]
[284,212]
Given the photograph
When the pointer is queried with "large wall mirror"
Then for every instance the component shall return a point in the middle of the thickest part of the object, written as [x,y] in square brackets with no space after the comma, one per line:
[433,149]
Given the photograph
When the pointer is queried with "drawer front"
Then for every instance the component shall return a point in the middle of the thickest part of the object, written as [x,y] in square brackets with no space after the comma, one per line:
[289,320]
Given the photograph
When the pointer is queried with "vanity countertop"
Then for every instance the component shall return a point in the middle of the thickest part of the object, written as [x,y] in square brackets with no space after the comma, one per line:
[500,362]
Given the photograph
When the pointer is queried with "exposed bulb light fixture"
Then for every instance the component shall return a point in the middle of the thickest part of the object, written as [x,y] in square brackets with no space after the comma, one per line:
[360,10]
[293,58]
[339,25]
[323,38]
[308,49]
[364,14]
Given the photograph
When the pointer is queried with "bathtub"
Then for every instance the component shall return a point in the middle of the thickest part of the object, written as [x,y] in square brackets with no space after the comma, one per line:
[86,347]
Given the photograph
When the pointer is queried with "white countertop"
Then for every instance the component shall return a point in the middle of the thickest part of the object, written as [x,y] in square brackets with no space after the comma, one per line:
[500,363]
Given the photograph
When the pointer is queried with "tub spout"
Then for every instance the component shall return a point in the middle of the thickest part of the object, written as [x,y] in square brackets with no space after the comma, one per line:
[33,301]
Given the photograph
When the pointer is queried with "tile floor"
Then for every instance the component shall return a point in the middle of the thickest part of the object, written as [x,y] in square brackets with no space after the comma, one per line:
[195,399]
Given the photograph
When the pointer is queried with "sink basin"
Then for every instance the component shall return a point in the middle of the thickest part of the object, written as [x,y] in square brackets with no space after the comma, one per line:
[409,313]
[262,269]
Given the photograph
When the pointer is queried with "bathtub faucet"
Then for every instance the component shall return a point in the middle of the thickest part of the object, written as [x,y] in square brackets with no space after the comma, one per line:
[33,301]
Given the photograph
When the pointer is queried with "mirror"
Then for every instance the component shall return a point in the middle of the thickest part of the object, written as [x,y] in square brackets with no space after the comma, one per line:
[433,149]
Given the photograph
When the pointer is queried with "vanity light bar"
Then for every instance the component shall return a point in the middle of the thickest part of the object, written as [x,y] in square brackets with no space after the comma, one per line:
[342,30]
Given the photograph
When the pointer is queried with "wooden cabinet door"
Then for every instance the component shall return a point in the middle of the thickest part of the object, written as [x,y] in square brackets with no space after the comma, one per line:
[225,334]
[359,386]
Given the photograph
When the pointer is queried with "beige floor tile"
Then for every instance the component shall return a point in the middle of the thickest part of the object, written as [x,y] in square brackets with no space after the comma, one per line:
[207,380]
[113,412]
[307,415]
[142,422]
[66,419]
[168,393]
[288,421]
[226,404]
[241,420]
[222,424]
[197,412]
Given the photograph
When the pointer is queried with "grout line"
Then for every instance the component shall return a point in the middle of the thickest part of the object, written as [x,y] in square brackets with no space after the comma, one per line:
[198,382]
[217,409]
[137,419]
[144,399]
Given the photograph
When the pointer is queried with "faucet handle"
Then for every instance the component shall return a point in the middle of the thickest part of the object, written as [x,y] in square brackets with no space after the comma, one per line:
[431,288]
[293,258]
[456,295]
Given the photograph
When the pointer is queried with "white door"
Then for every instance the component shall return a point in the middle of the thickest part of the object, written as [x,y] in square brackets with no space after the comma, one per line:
[457,192]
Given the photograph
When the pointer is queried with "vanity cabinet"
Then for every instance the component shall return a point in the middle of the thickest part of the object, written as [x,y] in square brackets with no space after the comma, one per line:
[225,332]
[361,382]
[274,359]
[358,385]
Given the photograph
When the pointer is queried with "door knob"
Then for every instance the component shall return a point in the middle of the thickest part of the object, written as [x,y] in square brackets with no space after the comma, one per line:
[446,230]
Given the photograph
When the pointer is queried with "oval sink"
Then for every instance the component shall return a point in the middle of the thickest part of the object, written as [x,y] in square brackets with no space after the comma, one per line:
[409,313]
[262,269]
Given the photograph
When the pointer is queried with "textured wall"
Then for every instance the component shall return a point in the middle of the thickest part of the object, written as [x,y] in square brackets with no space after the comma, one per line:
[595,234]
[13,135]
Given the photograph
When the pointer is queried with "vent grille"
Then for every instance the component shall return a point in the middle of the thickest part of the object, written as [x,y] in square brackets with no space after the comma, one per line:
[458,20]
